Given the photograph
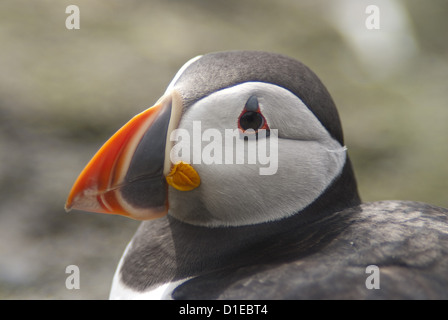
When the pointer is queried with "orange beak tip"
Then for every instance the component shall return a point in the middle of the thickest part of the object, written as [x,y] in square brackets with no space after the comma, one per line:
[108,185]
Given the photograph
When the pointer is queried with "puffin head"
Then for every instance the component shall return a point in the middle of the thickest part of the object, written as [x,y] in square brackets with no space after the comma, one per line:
[238,138]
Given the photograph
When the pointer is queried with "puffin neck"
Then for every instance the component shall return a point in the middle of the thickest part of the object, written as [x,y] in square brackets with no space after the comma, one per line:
[202,249]
[171,250]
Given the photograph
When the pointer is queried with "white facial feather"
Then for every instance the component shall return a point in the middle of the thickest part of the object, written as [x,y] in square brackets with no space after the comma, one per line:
[309,159]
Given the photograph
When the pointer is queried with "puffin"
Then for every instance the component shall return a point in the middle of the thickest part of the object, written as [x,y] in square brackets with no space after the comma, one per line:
[245,189]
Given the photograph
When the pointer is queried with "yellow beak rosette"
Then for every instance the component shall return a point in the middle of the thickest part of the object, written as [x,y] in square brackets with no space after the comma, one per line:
[183,177]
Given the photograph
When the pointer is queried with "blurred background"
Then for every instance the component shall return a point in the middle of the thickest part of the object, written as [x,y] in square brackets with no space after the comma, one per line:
[64,92]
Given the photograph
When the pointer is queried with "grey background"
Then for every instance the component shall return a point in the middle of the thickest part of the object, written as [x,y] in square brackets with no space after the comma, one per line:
[64,92]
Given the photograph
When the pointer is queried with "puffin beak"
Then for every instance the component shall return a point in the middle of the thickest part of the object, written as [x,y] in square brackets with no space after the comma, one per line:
[127,176]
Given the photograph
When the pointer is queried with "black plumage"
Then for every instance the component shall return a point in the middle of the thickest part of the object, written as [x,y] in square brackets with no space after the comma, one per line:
[324,259]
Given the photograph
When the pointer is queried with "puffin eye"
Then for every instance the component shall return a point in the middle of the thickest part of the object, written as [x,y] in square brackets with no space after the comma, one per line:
[251,120]
[251,117]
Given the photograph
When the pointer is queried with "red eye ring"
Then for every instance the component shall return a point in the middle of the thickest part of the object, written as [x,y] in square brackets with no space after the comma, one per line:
[251,117]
